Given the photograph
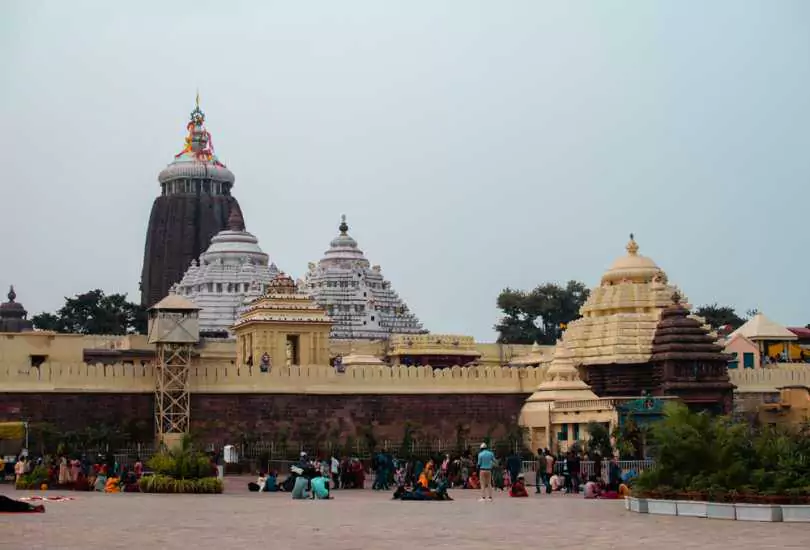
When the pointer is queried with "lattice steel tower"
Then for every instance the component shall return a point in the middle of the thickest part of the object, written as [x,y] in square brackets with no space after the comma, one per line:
[174,328]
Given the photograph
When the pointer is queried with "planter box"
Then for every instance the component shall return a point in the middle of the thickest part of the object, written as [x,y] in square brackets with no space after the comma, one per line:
[720,510]
[693,509]
[796,512]
[662,507]
[758,512]
[638,505]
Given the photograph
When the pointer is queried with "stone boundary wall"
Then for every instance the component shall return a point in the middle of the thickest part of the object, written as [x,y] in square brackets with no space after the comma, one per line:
[314,379]
[769,379]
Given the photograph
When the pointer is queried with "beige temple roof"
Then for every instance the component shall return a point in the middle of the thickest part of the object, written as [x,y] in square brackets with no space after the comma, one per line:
[535,356]
[362,360]
[620,316]
[760,328]
[432,344]
[562,380]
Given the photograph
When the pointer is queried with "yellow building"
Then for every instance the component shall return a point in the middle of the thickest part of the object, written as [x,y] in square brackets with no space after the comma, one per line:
[792,407]
[287,325]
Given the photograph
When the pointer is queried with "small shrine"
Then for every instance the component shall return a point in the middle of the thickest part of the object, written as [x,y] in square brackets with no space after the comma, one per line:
[13,316]
[536,356]
[549,425]
[283,327]
[436,350]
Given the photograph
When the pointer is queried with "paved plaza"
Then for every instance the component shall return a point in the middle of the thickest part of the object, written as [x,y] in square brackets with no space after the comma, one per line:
[369,520]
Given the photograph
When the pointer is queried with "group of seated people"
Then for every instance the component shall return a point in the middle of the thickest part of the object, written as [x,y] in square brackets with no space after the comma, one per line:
[302,485]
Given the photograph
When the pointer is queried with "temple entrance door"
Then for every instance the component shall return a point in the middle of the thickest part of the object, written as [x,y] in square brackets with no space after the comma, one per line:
[293,357]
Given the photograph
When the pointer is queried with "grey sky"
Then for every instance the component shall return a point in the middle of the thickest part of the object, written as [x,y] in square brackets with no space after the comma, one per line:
[472,145]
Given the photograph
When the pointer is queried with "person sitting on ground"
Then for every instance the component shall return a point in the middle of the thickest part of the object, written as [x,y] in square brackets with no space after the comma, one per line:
[421,493]
[518,488]
[556,482]
[592,488]
[320,488]
[258,485]
[11,506]
[271,482]
[301,488]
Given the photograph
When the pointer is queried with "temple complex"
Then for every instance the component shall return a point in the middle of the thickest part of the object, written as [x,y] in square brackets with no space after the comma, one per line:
[359,300]
[13,317]
[688,362]
[283,326]
[612,341]
[233,269]
[193,206]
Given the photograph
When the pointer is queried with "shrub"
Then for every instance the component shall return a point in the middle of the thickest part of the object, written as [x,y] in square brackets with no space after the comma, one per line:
[34,479]
[159,483]
[726,460]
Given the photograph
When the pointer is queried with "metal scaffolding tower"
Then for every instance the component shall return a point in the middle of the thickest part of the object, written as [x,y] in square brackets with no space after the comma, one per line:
[172,397]
[174,328]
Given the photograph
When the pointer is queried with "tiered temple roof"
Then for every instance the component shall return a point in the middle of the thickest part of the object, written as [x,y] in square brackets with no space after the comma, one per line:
[282,302]
[562,381]
[232,270]
[359,300]
[620,317]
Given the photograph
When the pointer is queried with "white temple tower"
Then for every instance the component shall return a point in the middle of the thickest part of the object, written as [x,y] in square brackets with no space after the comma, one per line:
[232,269]
[359,300]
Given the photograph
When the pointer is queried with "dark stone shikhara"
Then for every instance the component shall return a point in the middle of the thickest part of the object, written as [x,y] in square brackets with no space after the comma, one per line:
[180,229]
[688,363]
[194,205]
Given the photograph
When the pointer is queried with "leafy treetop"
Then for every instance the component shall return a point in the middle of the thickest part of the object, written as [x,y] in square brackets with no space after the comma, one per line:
[95,313]
[540,314]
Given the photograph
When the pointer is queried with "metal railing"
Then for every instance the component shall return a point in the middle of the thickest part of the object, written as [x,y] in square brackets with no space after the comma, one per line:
[587,467]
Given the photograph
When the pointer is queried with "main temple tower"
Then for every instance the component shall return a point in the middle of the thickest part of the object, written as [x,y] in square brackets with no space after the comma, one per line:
[193,206]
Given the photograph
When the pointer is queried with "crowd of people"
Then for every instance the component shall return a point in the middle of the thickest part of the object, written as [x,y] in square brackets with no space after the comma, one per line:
[104,474]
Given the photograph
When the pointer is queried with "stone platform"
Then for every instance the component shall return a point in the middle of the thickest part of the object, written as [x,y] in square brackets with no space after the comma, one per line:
[367,519]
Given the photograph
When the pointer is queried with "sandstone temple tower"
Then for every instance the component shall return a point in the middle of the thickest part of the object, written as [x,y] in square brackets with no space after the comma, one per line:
[360,302]
[193,206]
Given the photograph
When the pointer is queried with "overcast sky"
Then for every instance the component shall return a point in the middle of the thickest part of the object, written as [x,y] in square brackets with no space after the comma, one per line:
[472,145]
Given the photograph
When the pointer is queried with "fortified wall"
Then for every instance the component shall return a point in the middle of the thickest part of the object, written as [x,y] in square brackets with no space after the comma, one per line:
[307,402]
[303,403]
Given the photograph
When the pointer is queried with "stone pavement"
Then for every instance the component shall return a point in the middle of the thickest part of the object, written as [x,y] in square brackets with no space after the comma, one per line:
[369,520]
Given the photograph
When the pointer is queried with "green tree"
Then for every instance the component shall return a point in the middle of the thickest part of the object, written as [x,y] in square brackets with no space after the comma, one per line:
[599,439]
[95,313]
[539,315]
[719,316]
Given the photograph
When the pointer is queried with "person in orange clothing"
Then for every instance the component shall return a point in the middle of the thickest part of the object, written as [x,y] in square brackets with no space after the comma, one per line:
[518,488]
[473,482]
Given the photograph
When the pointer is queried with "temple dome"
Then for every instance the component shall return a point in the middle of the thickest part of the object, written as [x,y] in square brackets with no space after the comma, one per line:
[343,250]
[562,379]
[632,267]
[13,316]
